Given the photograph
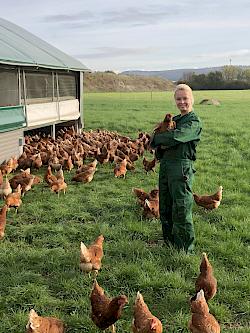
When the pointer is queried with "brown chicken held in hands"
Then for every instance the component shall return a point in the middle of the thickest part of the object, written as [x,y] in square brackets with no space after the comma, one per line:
[209,201]
[202,321]
[206,279]
[105,311]
[144,321]
[166,125]
[3,213]
[37,324]
[149,165]
[91,257]
[121,169]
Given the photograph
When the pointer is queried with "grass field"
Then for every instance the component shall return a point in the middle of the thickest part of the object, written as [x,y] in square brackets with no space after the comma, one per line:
[39,261]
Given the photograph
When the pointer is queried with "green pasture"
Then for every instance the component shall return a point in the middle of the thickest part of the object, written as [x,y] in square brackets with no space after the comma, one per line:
[39,256]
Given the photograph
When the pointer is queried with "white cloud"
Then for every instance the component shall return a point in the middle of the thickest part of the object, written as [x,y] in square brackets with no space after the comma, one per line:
[233,53]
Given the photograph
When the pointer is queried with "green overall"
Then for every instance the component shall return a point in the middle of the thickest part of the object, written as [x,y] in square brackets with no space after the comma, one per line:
[177,150]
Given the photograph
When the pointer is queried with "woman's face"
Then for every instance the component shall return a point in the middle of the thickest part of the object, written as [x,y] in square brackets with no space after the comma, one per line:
[184,101]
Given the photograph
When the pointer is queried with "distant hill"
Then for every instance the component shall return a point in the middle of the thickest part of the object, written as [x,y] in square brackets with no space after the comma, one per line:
[176,74]
[109,82]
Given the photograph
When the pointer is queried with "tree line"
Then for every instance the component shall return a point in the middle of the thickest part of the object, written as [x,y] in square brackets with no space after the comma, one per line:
[229,78]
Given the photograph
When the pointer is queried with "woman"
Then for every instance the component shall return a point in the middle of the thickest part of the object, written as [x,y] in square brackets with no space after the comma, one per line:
[178,151]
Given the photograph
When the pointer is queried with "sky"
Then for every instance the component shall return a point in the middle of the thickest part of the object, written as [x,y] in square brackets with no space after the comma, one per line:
[140,34]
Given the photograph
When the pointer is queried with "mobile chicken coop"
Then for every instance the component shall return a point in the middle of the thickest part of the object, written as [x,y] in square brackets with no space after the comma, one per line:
[40,88]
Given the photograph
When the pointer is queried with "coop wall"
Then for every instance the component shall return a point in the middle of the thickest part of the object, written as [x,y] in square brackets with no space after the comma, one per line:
[11,144]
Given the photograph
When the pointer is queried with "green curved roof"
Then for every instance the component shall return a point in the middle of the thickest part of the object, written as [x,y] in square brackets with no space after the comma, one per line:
[20,47]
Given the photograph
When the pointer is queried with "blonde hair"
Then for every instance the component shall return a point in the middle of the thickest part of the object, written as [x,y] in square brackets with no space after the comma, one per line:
[185,87]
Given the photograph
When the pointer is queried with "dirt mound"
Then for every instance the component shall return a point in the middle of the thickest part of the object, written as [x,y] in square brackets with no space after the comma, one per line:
[111,82]
[209,102]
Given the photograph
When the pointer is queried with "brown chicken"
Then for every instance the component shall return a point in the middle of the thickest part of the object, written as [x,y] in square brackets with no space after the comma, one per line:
[166,125]
[202,321]
[133,157]
[91,257]
[87,167]
[49,177]
[154,194]
[68,164]
[103,155]
[6,168]
[37,161]
[121,169]
[24,161]
[149,165]
[60,175]
[105,311]
[18,179]
[85,177]
[5,188]
[37,324]
[59,186]
[25,179]
[130,166]
[14,199]
[14,163]
[9,166]
[26,186]
[144,321]
[3,213]
[142,195]
[120,154]
[151,208]
[206,279]
[209,201]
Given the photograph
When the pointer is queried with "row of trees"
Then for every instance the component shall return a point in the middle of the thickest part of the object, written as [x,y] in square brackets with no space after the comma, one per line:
[230,77]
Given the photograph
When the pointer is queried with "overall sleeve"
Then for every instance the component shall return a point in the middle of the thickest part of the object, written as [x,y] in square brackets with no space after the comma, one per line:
[188,132]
